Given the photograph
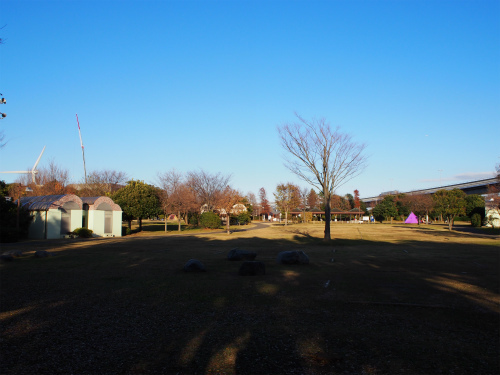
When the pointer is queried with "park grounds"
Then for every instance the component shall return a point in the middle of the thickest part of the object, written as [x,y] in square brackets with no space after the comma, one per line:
[377,299]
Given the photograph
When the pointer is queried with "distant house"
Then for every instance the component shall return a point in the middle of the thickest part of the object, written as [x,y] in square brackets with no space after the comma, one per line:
[56,216]
[102,216]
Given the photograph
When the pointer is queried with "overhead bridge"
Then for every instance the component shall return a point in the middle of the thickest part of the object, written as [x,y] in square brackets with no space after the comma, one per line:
[479,187]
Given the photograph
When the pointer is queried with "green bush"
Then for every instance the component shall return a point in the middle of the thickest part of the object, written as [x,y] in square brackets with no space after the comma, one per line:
[83,232]
[193,219]
[476,220]
[210,220]
[241,219]
[9,218]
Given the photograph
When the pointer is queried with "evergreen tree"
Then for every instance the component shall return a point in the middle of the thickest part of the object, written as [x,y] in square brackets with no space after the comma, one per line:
[137,200]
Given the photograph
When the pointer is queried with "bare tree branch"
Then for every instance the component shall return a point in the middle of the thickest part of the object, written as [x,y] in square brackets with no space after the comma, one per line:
[322,157]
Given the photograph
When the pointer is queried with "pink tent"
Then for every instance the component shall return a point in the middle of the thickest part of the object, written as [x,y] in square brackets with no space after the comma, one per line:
[412,219]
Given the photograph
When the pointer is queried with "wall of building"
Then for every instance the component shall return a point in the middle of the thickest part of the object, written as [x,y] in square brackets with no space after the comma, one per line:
[76,219]
[96,223]
[53,224]
[37,227]
[117,223]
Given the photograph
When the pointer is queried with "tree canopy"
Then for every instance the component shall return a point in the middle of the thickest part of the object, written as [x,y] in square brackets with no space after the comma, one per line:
[386,209]
[287,197]
[450,204]
[137,200]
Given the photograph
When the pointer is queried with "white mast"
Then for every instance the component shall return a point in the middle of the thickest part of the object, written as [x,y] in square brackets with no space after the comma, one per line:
[81,143]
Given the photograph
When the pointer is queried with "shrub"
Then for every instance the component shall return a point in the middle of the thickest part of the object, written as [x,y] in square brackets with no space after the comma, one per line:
[83,232]
[243,218]
[476,220]
[8,220]
[193,219]
[210,220]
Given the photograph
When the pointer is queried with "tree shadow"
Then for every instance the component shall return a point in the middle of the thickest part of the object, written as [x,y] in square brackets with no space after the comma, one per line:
[125,306]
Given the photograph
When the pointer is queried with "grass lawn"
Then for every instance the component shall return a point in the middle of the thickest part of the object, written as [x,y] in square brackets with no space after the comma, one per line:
[380,299]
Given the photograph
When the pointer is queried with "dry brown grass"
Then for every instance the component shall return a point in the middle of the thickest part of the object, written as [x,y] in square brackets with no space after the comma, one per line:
[418,300]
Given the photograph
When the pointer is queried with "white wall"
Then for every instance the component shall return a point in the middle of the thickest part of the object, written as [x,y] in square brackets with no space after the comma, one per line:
[76,219]
[96,223]
[117,223]
[53,224]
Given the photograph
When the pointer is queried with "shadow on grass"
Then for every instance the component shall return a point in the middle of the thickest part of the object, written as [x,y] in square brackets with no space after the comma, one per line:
[124,306]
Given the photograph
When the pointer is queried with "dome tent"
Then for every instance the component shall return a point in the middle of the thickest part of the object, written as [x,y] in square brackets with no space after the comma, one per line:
[411,219]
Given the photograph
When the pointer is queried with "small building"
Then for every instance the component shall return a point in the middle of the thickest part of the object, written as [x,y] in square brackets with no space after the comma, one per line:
[54,216]
[102,216]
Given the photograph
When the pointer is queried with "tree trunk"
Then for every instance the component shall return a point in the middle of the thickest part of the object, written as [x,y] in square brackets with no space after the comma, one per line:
[179,220]
[129,224]
[450,222]
[328,217]
[140,224]
[228,221]
[286,217]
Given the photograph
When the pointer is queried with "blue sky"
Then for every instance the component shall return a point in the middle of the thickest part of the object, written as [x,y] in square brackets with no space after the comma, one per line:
[204,84]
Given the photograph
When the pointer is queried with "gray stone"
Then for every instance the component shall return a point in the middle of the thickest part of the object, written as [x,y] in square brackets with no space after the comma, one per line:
[42,254]
[240,254]
[194,265]
[292,257]
[252,268]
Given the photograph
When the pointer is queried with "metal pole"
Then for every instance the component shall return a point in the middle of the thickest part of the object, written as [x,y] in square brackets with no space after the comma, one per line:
[83,152]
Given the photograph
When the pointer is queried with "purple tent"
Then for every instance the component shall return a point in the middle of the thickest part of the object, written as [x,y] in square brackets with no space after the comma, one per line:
[412,219]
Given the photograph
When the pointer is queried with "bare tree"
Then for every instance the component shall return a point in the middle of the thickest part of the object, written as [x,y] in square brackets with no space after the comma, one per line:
[225,201]
[303,193]
[264,203]
[187,202]
[207,187]
[322,157]
[312,199]
[103,183]
[51,180]
[287,197]
[170,183]
[253,201]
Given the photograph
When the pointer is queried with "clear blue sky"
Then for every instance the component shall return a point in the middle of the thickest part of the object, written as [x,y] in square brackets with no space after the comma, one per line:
[203,84]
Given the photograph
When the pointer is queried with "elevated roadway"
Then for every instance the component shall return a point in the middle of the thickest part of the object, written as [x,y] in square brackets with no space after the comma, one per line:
[479,187]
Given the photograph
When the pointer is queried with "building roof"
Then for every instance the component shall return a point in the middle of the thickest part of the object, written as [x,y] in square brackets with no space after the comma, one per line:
[48,202]
[94,202]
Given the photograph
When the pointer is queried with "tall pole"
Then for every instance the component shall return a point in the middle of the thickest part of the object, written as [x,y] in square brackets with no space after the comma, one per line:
[83,152]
